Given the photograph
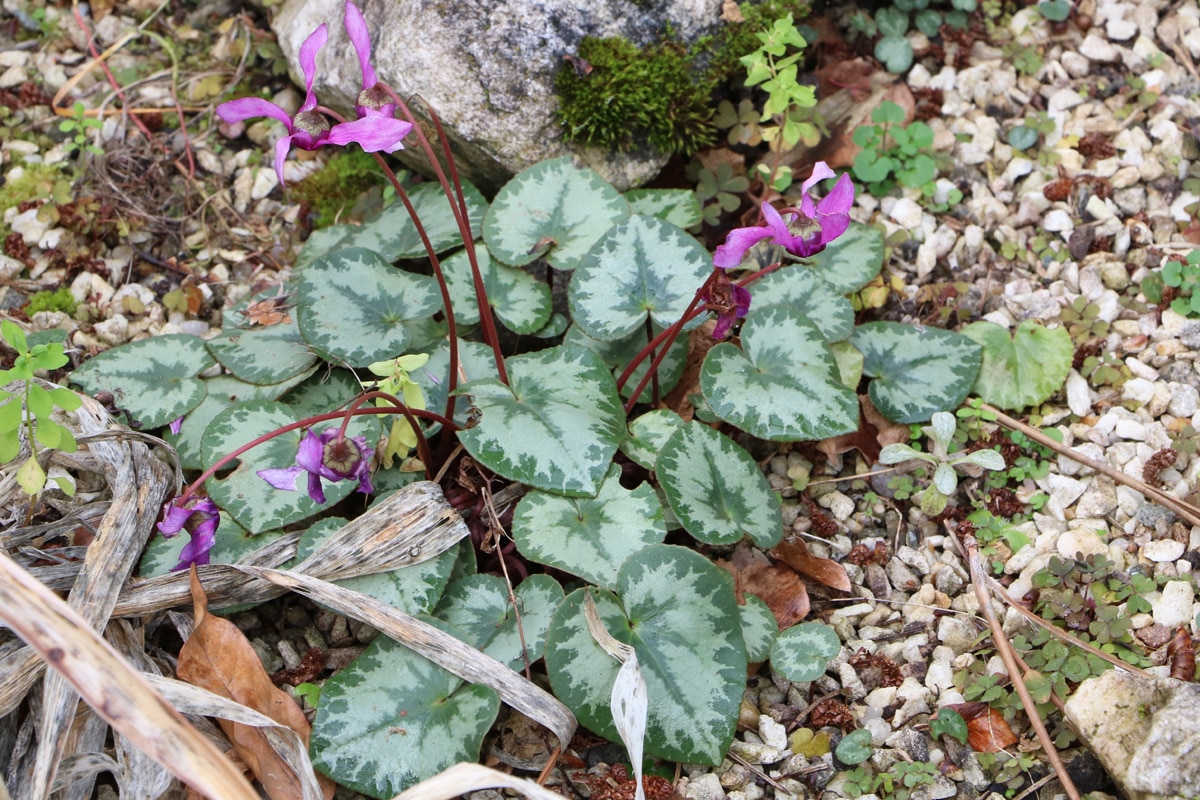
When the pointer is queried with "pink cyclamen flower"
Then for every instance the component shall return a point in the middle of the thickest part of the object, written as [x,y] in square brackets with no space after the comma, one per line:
[806,229]
[176,425]
[325,456]
[199,517]
[376,127]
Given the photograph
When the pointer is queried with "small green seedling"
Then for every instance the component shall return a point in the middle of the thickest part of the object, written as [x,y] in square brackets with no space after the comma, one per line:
[892,153]
[940,431]
[1184,275]
[31,408]
[77,127]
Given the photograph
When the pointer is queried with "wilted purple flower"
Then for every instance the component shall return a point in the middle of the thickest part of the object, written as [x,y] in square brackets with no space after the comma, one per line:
[199,517]
[325,456]
[736,306]
[376,127]
[807,228]
[176,425]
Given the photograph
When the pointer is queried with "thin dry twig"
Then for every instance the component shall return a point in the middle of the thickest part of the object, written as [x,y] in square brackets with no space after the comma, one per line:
[1010,663]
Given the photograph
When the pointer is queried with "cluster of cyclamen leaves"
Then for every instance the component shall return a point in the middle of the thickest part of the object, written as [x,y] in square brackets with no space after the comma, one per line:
[552,419]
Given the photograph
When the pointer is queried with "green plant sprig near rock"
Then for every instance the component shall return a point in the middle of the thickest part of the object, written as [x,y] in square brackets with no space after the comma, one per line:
[895,154]
[31,409]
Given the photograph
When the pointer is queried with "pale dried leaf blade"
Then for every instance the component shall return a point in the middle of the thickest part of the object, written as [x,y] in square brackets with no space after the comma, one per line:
[629,701]
[108,684]
[218,657]
[464,778]
[439,647]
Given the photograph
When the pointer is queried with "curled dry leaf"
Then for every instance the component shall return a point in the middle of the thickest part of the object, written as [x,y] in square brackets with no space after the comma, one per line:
[1181,653]
[218,657]
[777,586]
[987,730]
[875,431]
[794,553]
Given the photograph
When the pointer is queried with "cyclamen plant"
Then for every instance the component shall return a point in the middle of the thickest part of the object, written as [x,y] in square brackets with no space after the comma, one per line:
[785,366]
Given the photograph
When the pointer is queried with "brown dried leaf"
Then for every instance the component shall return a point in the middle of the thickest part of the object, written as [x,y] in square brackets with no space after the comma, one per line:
[218,657]
[700,341]
[886,431]
[794,553]
[271,311]
[987,730]
[779,587]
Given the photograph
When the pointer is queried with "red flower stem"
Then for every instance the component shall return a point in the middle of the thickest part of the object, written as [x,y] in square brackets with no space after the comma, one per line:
[458,205]
[292,426]
[422,445]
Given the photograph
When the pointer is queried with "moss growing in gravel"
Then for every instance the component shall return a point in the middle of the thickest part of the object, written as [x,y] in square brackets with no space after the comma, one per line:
[333,190]
[31,182]
[60,299]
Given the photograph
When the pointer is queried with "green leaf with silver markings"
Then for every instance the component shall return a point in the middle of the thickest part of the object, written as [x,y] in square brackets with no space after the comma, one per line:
[804,289]
[802,652]
[716,490]
[556,427]
[589,536]
[648,433]
[521,301]
[677,206]
[479,608]
[759,628]
[641,267]
[553,209]
[852,260]
[783,383]
[154,379]
[392,718]
[352,305]
[618,354]
[678,612]
[916,370]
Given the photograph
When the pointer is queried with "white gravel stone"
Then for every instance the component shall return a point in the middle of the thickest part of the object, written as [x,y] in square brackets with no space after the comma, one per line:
[1121,30]
[1162,550]
[1184,400]
[113,331]
[13,76]
[956,633]
[1174,606]
[1057,221]
[1079,396]
[1099,500]
[906,213]
[705,787]
[1139,390]
[772,733]
[838,504]
[1080,540]
[1096,48]
[1063,492]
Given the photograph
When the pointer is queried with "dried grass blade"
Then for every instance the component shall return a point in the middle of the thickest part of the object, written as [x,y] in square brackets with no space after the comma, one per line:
[439,647]
[464,778]
[108,684]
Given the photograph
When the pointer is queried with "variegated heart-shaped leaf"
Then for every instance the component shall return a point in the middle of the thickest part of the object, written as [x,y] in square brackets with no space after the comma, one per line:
[154,379]
[618,354]
[591,536]
[266,355]
[916,370]
[556,427]
[479,608]
[521,301]
[852,260]
[1023,368]
[475,360]
[716,490]
[553,209]
[677,206]
[248,498]
[648,433]
[678,612]
[641,267]
[783,383]
[352,304]
[802,288]
[392,718]
[802,652]
[392,234]
[759,628]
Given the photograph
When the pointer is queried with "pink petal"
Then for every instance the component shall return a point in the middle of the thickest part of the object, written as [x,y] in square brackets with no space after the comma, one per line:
[312,448]
[308,63]
[284,479]
[176,517]
[250,107]
[356,27]
[315,492]
[738,241]
[820,172]
[372,132]
[282,148]
[840,197]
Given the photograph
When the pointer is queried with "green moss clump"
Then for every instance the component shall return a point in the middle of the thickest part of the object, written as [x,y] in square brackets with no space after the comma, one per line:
[60,299]
[333,190]
[631,96]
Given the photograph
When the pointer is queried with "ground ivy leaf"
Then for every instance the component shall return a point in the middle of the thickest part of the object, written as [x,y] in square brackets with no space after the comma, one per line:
[154,379]
[1021,369]
[852,260]
[783,383]
[642,266]
[716,489]
[680,615]
[392,719]
[556,428]
[392,234]
[479,607]
[916,369]
[589,537]
[351,305]
[804,289]
[521,301]
[554,209]
[248,498]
